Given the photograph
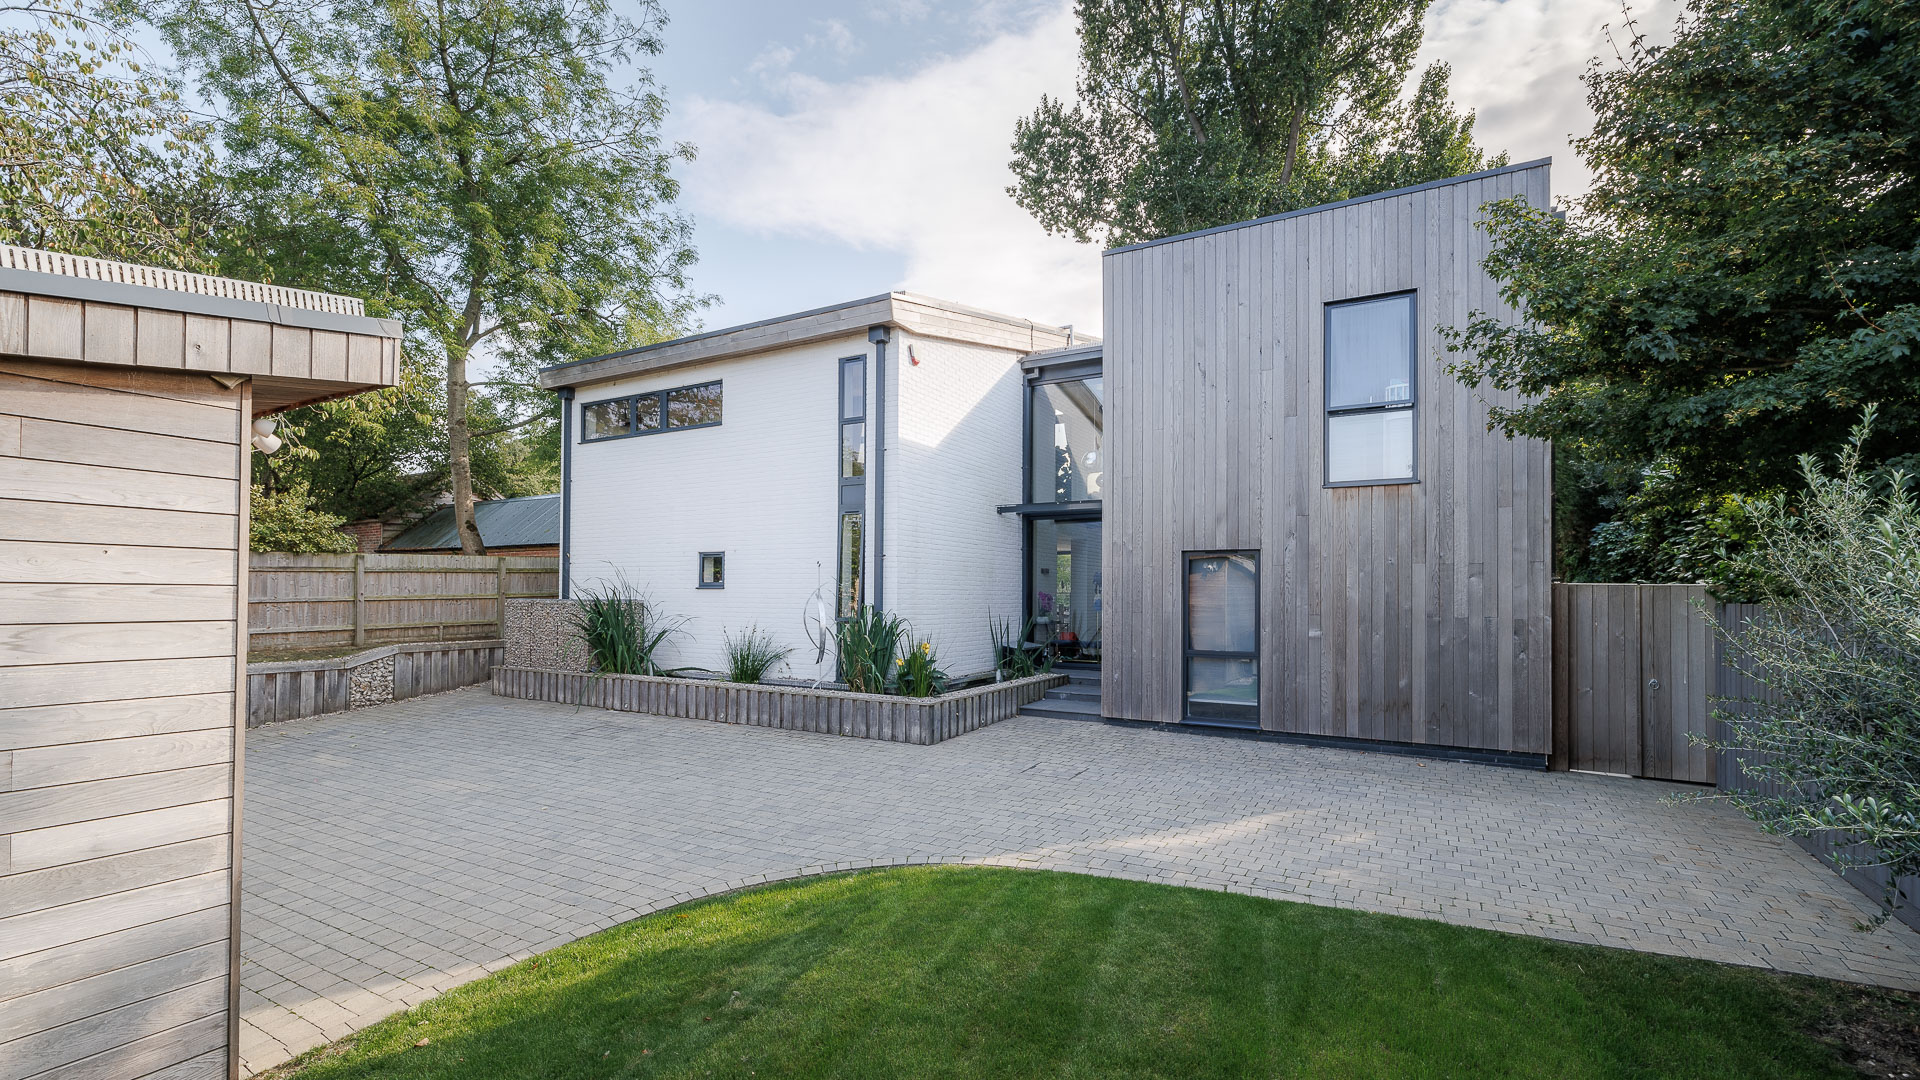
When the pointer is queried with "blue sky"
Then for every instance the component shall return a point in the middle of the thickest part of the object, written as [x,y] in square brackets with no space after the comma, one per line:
[848,147]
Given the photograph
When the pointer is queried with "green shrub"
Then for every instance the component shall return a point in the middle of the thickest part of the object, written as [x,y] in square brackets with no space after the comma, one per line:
[286,520]
[869,643]
[622,630]
[1011,656]
[916,672]
[752,655]
[1839,648]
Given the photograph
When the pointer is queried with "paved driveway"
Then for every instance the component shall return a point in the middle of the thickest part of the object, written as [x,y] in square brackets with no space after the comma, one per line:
[396,852]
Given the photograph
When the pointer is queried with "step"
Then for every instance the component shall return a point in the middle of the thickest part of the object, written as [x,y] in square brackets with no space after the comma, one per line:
[1075,690]
[1063,709]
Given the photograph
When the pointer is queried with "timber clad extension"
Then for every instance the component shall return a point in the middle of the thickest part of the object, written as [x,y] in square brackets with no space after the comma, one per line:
[1402,612]
[125,416]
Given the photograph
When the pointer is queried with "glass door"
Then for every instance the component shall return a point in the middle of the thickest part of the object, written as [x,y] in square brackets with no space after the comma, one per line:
[1223,638]
[1064,584]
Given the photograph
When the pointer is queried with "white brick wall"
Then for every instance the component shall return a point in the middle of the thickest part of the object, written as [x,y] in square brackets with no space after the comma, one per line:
[954,459]
[761,487]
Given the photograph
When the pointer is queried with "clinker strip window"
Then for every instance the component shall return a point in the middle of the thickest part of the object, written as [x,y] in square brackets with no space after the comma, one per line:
[676,409]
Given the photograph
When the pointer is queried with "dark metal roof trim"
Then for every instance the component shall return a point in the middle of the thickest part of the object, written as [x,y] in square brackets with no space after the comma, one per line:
[34,282]
[1305,210]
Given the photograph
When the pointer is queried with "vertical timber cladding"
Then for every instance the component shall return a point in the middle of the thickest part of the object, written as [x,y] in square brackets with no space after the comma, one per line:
[1406,613]
[120,597]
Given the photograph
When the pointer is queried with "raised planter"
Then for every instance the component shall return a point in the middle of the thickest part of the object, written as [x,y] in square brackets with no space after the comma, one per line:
[832,712]
[291,689]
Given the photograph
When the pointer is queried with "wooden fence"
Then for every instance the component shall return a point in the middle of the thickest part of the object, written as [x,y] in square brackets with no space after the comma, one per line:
[1634,668]
[321,601]
[290,690]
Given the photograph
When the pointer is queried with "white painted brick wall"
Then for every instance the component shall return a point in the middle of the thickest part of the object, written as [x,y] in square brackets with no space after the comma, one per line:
[761,487]
[954,459]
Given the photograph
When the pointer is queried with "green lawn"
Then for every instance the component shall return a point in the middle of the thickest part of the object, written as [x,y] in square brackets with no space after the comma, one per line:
[951,972]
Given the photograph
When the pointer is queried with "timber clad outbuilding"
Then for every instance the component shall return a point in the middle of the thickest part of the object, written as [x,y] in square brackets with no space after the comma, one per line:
[1409,605]
[127,396]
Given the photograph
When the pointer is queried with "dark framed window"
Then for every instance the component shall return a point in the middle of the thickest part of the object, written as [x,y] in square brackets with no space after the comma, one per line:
[852,594]
[852,467]
[1222,600]
[713,570]
[1066,432]
[1371,390]
[655,411]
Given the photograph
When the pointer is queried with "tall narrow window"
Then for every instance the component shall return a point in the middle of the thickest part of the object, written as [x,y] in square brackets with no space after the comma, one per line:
[853,479]
[1223,638]
[1370,391]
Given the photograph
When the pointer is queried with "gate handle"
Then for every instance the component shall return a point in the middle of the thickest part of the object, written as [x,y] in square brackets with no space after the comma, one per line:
[1653,684]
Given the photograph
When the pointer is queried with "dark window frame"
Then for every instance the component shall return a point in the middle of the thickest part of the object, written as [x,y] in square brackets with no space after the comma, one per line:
[849,487]
[633,413]
[700,574]
[1188,653]
[1328,410]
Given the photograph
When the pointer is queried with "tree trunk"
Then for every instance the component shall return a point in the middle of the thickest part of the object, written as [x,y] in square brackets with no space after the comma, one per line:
[460,454]
[1293,144]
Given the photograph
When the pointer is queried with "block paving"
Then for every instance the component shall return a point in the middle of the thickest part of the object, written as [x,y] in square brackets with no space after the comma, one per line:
[395,852]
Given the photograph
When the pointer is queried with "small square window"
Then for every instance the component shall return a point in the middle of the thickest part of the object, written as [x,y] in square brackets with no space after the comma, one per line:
[713,569]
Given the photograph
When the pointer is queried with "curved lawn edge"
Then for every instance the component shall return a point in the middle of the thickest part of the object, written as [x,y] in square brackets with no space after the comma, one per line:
[1344,929]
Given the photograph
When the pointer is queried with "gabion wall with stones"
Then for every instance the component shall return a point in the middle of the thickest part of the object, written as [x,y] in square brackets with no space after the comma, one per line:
[541,634]
[372,684]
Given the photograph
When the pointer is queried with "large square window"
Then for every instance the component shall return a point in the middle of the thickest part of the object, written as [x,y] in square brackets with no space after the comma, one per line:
[1370,391]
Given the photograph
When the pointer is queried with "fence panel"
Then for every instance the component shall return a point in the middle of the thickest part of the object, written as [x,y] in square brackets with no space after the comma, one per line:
[1632,673]
[324,601]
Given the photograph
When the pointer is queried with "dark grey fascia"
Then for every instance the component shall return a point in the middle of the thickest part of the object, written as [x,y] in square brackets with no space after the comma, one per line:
[33,282]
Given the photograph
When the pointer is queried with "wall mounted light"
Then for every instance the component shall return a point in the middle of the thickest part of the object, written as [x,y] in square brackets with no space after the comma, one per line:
[264,440]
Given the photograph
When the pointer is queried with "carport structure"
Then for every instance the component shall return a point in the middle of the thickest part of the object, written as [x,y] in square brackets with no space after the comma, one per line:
[128,396]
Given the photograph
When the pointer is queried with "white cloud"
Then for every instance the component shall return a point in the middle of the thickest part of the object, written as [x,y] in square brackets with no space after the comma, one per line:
[1517,63]
[916,164]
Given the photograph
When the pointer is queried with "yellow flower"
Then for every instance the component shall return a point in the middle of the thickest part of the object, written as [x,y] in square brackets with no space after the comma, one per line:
[901,662]
[926,646]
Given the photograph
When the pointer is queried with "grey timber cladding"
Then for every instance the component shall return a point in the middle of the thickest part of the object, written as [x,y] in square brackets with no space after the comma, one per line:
[1414,613]
[121,598]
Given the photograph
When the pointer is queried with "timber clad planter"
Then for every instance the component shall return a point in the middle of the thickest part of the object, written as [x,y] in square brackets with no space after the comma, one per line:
[833,712]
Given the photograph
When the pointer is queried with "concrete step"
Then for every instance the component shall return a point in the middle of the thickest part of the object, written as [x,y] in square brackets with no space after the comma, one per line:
[1063,709]
[1076,690]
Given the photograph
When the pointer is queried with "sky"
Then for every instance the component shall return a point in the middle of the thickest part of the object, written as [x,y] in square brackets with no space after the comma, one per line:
[849,147]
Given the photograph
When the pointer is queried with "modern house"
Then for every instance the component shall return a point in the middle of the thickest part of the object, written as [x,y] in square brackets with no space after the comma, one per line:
[780,474]
[1260,502]
[529,525]
[128,399]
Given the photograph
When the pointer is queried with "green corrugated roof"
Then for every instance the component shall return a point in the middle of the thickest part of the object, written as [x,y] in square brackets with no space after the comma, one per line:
[529,521]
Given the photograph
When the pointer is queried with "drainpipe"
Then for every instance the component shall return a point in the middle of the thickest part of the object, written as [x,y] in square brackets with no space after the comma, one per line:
[879,335]
[566,490]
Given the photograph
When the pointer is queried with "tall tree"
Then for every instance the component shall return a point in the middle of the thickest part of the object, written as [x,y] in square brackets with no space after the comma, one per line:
[97,155]
[1742,276]
[1195,113]
[490,171]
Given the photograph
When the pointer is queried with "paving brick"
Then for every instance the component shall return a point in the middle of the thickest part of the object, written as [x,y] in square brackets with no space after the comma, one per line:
[395,852]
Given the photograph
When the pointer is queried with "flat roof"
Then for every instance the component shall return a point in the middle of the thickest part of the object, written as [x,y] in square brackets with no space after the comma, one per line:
[1303,211]
[104,281]
[923,315]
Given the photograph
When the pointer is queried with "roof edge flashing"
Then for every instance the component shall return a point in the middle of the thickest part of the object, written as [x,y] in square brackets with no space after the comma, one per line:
[1323,207]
